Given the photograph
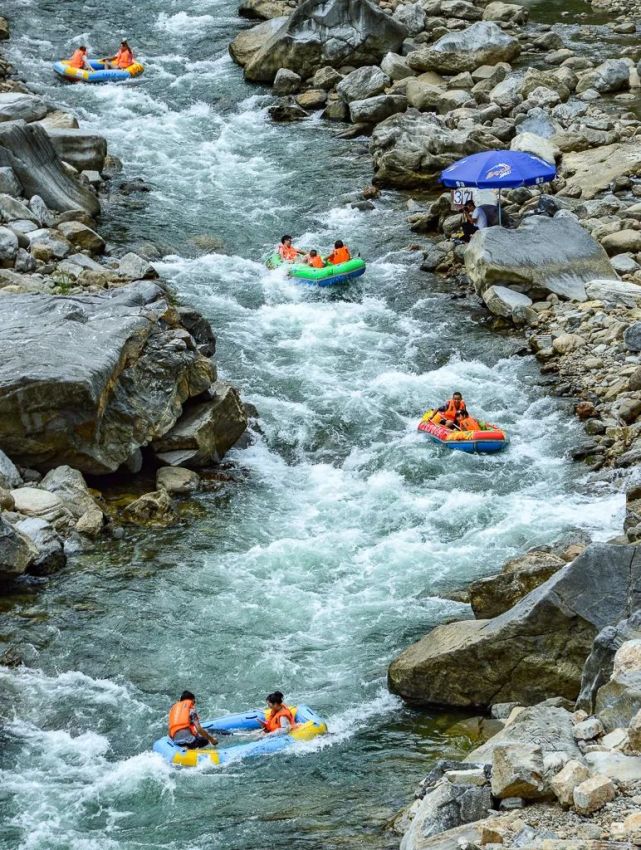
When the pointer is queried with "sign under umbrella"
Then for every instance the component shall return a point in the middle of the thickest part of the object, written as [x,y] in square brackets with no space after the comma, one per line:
[498,170]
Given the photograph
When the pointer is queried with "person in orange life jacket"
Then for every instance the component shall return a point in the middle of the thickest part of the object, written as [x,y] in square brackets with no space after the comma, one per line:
[340,254]
[185,728]
[286,250]
[123,59]
[451,413]
[79,59]
[280,720]
[468,423]
[313,260]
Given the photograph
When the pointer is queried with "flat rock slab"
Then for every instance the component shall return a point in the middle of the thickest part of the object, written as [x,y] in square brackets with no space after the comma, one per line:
[617,766]
[593,170]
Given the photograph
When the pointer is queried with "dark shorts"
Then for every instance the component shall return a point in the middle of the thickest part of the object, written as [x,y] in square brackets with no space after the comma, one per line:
[185,739]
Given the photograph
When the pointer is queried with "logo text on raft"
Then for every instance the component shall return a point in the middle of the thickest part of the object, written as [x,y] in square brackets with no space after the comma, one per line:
[500,170]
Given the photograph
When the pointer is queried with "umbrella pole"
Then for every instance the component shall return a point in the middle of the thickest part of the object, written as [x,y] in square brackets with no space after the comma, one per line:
[500,221]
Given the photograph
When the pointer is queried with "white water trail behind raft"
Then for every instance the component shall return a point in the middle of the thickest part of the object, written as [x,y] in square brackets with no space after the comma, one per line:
[327,557]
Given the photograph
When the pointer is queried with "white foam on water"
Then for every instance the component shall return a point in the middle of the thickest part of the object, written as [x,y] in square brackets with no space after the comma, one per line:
[182,25]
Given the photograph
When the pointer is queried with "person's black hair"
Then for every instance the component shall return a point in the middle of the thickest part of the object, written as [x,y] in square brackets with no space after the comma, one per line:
[339,243]
[277,696]
[313,253]
[286,236]
[456,392]
[81,47]
[187,695]
[124,41]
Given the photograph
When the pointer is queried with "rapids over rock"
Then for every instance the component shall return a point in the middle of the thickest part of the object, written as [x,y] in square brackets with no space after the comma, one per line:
[343,530]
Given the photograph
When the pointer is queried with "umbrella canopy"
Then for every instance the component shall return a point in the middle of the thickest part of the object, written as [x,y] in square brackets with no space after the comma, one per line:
[498,170]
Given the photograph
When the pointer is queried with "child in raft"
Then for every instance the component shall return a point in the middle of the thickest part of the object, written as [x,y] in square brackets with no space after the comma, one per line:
[314,260]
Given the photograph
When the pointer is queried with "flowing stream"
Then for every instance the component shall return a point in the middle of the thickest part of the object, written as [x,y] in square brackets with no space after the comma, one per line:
[327,555]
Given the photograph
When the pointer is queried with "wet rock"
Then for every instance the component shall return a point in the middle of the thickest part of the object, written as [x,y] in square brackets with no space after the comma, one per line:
[492,596]
[151,509]
[70,486]
[327,32]
[84,150]
[610,76]
[16,106]
[249,42]
[480,44]
[282,112]
[286,82]
[464,663]
[542,256]
[573,773]
[205,432]
[82,237]
[363,83]
[411,149]
[134,267]
[517,771]
[593,793]
[376,109]
[16,553]
[101,378]
[50,555]
[27,149]
[176,480]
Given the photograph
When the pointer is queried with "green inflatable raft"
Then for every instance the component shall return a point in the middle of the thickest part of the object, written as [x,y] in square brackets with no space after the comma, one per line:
[327,276]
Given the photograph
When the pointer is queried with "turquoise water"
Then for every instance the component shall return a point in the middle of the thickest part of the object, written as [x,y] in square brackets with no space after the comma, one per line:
[327,554]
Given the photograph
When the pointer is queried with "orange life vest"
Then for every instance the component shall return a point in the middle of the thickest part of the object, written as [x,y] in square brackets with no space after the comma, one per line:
[287,252]
[78,59]
[339,255]
[315,262]
[273,722]
[124,58]
[468,423]
[179,717]
[453,411]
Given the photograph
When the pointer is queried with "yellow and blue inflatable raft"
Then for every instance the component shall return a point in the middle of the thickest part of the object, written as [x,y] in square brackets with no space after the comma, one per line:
[100,73]
[310,726]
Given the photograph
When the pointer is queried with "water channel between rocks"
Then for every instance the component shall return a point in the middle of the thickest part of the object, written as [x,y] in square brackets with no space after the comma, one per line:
[326,558]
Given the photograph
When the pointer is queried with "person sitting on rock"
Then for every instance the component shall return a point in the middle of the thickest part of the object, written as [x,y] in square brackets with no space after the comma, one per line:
[451,413]
[314,260]
[474,218]
[185,728]
[286,250]
[281,719]
[123,59]
[340,254]
[79,59]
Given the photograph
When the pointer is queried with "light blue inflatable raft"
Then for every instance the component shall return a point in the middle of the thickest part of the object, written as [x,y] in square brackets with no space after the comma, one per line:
[309,726]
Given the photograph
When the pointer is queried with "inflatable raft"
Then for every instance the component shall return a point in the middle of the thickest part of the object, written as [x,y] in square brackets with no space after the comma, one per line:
[488,439]
[310,726]
[327,276]
[100,73]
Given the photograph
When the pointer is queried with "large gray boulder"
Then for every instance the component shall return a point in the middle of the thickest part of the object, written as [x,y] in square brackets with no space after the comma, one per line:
[84,150]
[85,381]
[16,552]
[592,171]
[543,255]
[411,149]
[534,650]
[27,149]
[483,43]
[327,32]
[372,110]
[18,106]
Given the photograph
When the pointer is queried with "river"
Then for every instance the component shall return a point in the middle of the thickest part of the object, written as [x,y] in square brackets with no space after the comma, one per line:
[327,555]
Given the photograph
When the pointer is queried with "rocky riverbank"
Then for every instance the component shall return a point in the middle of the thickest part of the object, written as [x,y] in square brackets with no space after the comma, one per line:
[101,369]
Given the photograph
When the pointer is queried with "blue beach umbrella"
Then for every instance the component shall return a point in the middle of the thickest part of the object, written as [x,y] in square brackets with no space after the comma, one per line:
[498,170]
